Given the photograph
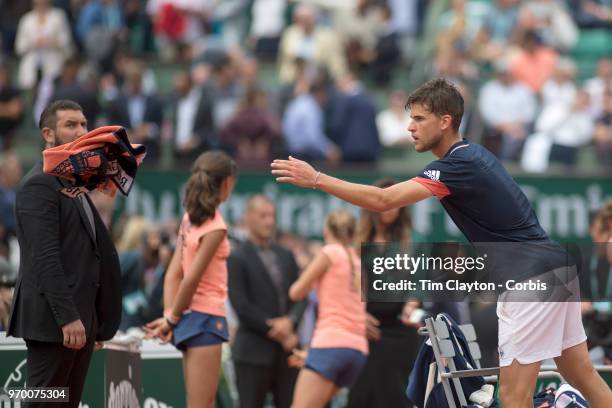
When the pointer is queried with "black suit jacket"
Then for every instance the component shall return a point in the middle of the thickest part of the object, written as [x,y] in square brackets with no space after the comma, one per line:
[203,127]
[119,114]
[65,273]
[255,299]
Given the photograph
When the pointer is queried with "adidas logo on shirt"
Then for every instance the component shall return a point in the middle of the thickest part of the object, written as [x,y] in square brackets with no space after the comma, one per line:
[433,174]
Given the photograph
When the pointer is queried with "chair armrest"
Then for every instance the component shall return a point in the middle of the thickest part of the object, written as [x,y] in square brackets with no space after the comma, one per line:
[471,373]
[490,374]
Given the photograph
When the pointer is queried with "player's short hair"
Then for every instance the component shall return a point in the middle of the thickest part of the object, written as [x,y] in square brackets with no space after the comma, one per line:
[48,118]
[440,97]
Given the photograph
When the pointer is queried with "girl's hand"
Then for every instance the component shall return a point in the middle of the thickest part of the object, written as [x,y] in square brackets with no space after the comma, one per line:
[372,328]
[159,328]
[298,358]
[412,314]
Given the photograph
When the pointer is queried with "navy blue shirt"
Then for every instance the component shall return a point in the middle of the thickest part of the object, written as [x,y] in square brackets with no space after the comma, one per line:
[488,206]
[479,195]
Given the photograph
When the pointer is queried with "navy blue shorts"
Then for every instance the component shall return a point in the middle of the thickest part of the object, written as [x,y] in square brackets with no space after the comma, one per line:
[197,329]
[341,366]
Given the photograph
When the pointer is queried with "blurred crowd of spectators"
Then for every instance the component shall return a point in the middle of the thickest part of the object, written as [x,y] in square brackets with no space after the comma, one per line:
[510,59]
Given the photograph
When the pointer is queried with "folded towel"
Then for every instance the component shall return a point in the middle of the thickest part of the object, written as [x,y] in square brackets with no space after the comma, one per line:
[484,396]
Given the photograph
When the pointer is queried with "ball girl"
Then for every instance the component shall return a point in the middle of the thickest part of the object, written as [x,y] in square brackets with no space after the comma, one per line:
[339,347]
[195,286]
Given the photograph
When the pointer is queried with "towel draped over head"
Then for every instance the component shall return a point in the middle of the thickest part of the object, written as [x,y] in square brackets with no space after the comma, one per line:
[103,159]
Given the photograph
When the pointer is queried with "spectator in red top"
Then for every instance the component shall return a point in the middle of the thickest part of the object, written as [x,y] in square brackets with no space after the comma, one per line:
[534,63]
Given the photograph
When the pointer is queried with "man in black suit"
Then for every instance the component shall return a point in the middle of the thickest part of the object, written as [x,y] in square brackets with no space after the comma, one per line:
[260,274]
[68,293]
[192,125]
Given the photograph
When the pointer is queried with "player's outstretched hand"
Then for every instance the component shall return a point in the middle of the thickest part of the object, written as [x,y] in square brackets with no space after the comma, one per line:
[294,171]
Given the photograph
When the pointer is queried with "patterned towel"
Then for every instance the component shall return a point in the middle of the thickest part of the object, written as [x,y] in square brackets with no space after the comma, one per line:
[102,159]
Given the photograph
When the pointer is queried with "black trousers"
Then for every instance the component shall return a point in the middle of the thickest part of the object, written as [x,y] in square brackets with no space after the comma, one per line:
[255,381]
[383,381]
[53,365]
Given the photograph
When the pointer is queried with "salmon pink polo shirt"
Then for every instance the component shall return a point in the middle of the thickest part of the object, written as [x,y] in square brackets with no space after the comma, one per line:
[211,293]
[342,314]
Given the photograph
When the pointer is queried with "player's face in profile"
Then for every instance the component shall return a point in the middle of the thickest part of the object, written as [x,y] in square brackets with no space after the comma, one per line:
[425,128]
[71,124]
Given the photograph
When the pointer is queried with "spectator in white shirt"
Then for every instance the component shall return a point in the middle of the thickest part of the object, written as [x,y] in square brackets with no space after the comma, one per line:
[508,108]
[561,87]
[569,127]
[267,26]
[596,87]
[43,42]
[393,122]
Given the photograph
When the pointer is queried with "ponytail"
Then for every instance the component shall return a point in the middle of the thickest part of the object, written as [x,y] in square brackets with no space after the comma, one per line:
[203,190]
[356,276]
[342,224]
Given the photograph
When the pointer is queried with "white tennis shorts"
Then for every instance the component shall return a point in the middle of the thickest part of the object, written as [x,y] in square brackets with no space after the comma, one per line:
[536,331]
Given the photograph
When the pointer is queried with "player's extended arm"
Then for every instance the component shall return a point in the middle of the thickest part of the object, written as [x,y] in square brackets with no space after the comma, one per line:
[372,198]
